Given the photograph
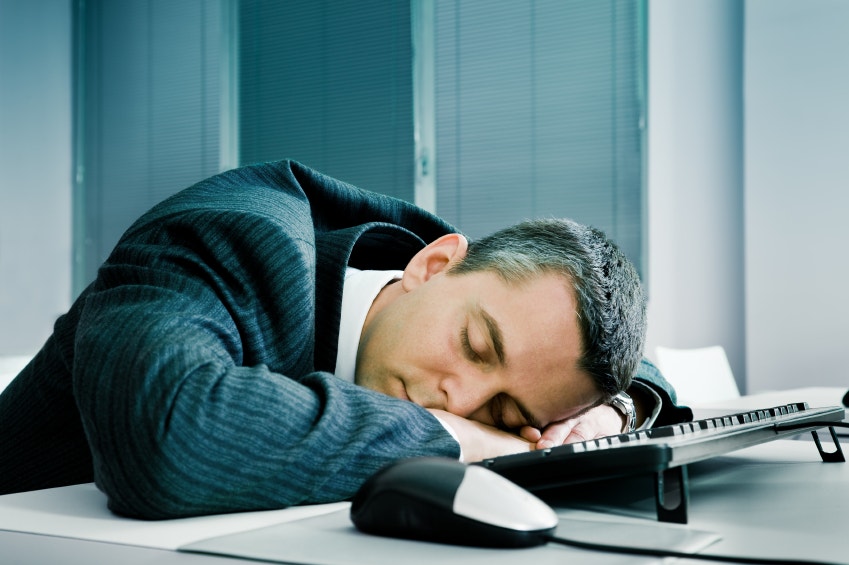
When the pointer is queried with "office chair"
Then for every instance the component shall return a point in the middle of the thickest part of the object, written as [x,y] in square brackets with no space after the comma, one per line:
[701,375]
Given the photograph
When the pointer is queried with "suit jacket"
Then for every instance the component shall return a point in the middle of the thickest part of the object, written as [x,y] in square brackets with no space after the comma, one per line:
[193,376]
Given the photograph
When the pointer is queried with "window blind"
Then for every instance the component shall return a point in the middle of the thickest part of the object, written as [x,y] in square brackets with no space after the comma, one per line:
[329,83]
[149,111]
[538,111]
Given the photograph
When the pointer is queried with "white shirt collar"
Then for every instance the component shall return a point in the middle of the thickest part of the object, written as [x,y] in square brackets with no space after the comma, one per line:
[358,294]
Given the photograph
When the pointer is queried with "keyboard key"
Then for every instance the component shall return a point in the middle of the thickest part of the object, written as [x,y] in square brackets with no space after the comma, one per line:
[664,431]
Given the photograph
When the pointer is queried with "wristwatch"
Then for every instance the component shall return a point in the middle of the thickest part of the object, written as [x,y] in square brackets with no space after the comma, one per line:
[625,404]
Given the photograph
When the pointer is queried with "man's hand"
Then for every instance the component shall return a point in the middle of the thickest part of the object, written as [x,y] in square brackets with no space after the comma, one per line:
[603,420]
[480,441]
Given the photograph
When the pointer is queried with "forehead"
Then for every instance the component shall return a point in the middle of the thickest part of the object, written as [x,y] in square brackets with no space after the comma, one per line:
[538,316]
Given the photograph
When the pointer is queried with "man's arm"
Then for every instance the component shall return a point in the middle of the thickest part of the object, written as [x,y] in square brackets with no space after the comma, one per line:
[479,441]
[193,377]
[177,428]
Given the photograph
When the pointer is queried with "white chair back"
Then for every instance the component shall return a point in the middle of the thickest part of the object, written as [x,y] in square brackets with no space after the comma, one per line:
[700,376]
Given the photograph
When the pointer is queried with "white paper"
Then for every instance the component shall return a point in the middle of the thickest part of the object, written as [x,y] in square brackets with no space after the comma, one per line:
[80,511]
[332,539]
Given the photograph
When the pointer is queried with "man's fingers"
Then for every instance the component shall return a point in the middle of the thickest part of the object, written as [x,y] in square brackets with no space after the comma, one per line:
[555,434]
[529,433]
[580,433]
[597,422]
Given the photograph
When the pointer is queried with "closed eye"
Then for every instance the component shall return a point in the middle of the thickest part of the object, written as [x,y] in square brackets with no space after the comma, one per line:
[471,354]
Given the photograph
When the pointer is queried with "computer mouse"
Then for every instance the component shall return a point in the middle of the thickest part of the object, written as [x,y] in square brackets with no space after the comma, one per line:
[443,500]
[846,399]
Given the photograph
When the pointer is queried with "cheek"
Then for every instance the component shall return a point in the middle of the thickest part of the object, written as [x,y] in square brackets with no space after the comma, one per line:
[400,344]
[424,338]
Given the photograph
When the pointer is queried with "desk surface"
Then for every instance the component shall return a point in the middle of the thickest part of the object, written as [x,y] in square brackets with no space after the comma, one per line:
[776,499]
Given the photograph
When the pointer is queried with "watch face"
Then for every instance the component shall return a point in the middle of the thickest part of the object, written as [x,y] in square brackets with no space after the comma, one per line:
[625,404]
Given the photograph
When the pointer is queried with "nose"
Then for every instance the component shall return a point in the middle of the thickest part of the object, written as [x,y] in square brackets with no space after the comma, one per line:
[469,395]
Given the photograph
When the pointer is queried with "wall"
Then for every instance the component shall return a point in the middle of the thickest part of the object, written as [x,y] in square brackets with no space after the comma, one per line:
[695,176]
[797,200]
[35,170]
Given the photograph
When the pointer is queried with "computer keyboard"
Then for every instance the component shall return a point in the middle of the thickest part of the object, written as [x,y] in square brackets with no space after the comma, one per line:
[664,451]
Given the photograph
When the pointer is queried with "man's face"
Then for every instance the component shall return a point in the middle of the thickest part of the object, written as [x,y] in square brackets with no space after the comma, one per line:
[480,348]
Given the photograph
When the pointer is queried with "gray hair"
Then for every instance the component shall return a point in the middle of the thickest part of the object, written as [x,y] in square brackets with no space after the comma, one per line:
[611,302]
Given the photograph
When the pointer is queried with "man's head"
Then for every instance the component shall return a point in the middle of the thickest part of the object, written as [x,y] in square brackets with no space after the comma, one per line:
[529,326]
[611,303]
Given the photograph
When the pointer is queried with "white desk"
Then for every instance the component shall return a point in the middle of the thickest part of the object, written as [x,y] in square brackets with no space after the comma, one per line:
[776,499]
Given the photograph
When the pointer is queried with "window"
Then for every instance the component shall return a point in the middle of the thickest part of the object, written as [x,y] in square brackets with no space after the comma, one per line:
[538,112]
[507,109]
[148,113]
[329,83]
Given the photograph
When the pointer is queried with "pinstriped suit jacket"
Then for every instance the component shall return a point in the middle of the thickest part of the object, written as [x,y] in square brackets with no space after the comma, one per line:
[193,375]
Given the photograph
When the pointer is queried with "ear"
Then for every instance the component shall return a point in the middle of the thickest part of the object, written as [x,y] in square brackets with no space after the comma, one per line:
[435,258]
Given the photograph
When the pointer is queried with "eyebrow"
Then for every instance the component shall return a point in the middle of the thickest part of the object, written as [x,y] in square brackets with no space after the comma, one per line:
[494,335]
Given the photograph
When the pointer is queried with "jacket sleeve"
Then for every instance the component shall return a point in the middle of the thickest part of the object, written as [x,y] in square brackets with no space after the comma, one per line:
[193,377]
[669,411]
